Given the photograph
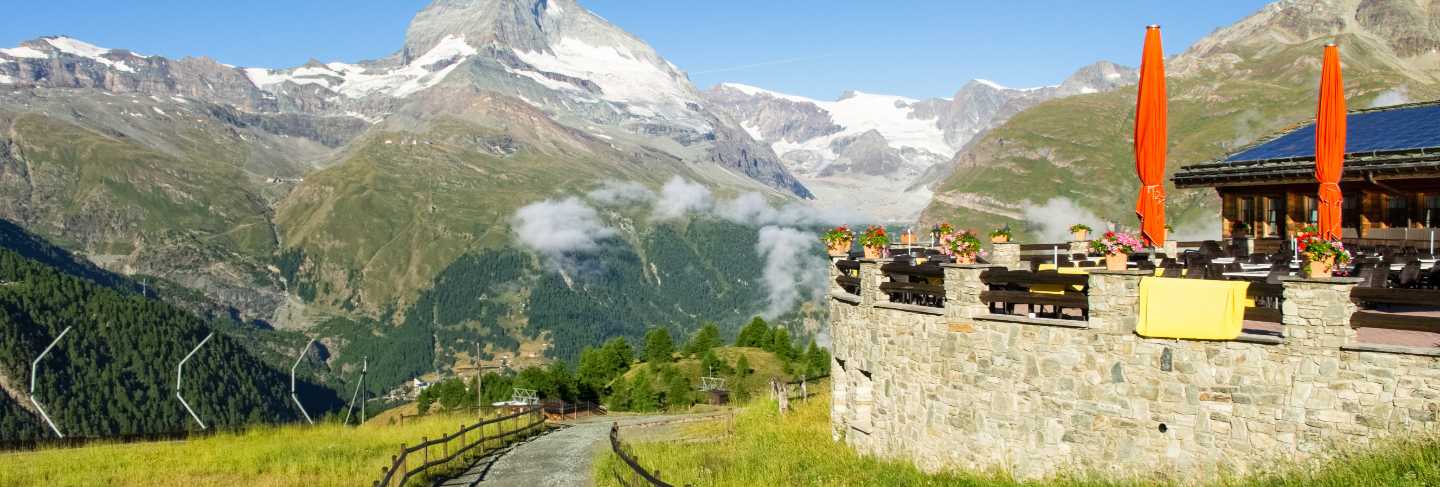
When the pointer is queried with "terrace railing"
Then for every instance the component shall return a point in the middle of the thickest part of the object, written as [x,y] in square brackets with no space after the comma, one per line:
[920,285]
[1425,300]
[1046,294]
[849,278]
[415,460]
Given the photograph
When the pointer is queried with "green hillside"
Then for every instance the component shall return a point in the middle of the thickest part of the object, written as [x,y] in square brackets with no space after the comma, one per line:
[113,373]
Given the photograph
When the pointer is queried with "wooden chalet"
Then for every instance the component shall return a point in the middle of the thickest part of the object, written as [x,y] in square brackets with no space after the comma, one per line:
[1391,182]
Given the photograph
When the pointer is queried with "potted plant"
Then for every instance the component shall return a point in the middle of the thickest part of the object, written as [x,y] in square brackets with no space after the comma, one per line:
[1320,255]
[938,232]
[1000,235]
[907,237]
[837,240]
[875,242]
[1080,231]
[963,246]
[1116,247]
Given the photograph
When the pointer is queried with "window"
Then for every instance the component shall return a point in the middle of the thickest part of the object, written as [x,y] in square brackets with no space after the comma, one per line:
[1350,210]
[1245,215]
[1311,207]
[1432,210]
[1274,208]
[1397,211]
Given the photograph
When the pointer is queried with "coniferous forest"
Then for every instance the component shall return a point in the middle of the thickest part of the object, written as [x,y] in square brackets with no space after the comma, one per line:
[114,373]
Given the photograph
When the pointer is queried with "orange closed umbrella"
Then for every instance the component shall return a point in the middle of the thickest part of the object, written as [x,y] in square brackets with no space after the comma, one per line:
[1150,140]
[1330,142]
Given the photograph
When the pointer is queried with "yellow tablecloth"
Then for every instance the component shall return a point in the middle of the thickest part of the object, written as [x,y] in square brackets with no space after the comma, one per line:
[1191,308]
[1060,288]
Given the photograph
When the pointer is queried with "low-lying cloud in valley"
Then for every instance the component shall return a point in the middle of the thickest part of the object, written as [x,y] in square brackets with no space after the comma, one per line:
[561,230]
[793,271]
[1052,220]
[566,231]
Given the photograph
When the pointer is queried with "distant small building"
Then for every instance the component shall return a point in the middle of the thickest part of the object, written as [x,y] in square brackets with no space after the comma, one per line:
[1391,181]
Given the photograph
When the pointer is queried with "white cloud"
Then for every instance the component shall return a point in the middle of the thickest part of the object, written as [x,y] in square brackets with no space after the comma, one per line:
[1052,220]
[1395,96]
[794,269]
[560,229]
[680,196]
[620,193]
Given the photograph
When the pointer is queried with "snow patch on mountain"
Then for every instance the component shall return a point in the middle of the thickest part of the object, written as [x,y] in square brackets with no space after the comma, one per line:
[860,112]
[621,75]
[86,50]
[24,52]
[357,81]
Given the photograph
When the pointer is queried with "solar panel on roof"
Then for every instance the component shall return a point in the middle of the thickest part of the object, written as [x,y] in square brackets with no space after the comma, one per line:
[1385,130]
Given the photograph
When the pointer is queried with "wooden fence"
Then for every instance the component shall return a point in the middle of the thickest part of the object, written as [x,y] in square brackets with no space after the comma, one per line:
[402,467]
[632,474]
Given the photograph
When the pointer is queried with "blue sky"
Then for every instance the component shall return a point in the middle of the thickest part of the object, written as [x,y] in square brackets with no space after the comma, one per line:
[808,47]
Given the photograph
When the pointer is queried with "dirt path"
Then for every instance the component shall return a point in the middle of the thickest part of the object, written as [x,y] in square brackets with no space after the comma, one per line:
[560,458]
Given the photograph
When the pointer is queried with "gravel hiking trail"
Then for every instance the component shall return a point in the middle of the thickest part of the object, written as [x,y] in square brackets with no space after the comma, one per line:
[562,457]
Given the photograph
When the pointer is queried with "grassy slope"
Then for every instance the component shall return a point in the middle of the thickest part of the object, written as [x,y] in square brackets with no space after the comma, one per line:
[135,195]
[1080,147]
[323,455]
[763,448]
[764,366]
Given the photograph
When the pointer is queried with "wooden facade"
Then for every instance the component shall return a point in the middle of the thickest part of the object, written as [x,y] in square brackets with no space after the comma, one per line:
[1392,191]
[1369,211]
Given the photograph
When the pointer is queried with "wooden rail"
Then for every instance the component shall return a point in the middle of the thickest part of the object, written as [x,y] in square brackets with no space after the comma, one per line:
[1392,321]
[1010,288]
[918,290]
[1380,295]
[633,475]
[1428,298]
[400,471]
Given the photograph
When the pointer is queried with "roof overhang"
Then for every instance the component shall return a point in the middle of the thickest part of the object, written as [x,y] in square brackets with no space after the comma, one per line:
[1290,171]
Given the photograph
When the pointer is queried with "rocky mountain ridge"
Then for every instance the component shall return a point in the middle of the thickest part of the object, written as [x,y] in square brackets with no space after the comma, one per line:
[887,145]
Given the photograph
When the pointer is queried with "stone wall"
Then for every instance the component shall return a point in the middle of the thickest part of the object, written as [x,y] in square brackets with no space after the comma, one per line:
[960,388]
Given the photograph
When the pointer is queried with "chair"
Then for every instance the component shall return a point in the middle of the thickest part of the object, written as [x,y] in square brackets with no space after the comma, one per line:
[1277,271]
[1171,271]
[1379,276]
[1361,266]
[1146,265]
[1195,269]
[1409,275]
[1259,258]
[1432,278]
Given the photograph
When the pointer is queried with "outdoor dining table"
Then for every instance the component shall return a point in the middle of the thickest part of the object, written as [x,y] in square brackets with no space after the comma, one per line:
[1247,274]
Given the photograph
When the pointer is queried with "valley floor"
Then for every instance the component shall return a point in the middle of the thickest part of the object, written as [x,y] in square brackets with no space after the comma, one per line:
[760,447]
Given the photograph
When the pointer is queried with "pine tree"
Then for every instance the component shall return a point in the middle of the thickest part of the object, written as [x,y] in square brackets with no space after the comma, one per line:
[659,348]
[706,338]
[677,394]
[642,392]
[755,334]
[711,365]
